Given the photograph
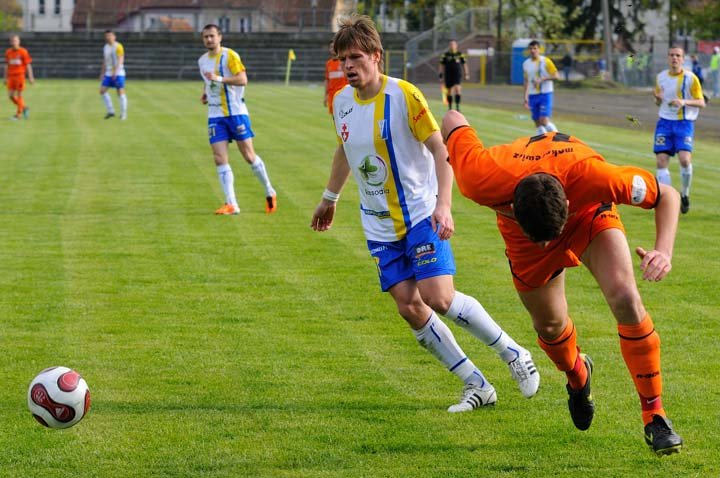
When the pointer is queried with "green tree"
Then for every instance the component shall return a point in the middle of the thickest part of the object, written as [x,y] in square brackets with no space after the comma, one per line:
[701,16]
[10,15]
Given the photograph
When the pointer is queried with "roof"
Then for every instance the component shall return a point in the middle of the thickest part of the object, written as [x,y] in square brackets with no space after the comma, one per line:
[109,13]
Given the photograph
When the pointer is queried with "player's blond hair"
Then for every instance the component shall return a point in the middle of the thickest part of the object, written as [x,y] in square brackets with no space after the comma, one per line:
[358,31]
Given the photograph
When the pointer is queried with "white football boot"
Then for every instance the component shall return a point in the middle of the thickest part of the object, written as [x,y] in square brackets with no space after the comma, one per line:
[524,372]
[474,397]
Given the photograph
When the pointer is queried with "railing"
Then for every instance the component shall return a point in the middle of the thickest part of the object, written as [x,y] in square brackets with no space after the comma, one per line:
[467,24]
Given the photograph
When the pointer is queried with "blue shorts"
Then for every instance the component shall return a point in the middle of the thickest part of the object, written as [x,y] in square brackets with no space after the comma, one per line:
[420,255]
[228,128]
[672,136]
[540,105]
[118,82]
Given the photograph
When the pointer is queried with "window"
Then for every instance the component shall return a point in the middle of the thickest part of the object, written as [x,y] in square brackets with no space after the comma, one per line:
[223,23]
[56,10]
[41,7]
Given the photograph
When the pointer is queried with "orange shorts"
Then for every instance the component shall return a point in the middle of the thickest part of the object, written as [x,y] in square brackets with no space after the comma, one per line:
[532,266]
[16,83]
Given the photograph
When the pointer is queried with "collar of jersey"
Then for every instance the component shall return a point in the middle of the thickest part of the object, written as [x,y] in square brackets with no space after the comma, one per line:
[682,72]
[372,100]
[222,48]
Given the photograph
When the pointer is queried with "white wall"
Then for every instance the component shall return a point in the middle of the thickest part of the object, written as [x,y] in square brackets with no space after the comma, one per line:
[47,15]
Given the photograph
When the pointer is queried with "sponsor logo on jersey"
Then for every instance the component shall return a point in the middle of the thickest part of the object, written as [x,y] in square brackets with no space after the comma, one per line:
[373,170]
[424,249]
[383,129]
[344,133]
[344,113]
[639,190]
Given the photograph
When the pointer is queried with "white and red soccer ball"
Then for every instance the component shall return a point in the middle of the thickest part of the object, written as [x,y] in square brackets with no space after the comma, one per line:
[58,397]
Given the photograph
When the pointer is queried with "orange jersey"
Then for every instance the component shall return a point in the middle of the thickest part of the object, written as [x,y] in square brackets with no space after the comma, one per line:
[16,61]
[334,79]
[489,176]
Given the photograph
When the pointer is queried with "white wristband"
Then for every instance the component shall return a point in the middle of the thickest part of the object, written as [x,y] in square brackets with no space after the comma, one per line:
[219,79]
[330,196]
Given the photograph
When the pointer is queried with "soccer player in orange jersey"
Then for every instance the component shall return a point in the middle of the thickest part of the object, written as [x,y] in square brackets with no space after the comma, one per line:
[555,202]
[334,78]
[17,63]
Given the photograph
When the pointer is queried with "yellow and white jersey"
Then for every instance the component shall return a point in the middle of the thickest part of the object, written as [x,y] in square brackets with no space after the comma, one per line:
[111,55]
[543,66]
[383,141]
[683,85]
[223,99]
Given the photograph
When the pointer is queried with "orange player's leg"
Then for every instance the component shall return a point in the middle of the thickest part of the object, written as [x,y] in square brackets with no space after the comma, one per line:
[640,347]
[564,353]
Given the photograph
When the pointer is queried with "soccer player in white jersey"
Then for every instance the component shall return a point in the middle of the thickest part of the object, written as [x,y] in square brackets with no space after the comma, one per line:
[390,141]
[539,72]
[225,79]
[112,75]
[679,95]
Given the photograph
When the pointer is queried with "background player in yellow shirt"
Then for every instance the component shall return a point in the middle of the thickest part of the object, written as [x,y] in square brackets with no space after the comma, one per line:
[112,75]
[228,119]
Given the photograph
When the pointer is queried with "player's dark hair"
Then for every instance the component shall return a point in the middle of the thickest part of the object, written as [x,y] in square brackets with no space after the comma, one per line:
[533,43]
[358,31]
[109,31]
[540,207]
[212,25]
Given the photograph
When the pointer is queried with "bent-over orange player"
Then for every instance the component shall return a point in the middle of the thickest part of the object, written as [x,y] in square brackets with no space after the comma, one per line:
[555,201]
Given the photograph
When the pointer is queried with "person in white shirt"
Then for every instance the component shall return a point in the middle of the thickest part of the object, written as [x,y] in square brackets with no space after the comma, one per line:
[112,75]
[225,78]
[388,138]
[539,72]
[679,95]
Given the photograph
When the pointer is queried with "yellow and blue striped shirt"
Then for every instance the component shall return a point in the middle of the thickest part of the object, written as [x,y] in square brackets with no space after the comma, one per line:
[383,141]
[223,99]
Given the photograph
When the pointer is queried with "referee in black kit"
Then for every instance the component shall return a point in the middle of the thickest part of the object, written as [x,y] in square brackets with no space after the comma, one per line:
[452,68]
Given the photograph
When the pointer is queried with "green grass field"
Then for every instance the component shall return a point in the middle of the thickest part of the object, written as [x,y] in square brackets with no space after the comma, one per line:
[251,346]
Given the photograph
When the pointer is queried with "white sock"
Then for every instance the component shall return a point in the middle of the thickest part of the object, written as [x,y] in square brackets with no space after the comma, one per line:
[437,339]
[541,130]
[663,176]
[469,314]
[108,102]
[686,179]
[550,126]
[227,181]
[123,105]
[258,169]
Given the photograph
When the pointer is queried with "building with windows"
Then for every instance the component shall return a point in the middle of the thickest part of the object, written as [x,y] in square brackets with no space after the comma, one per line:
[48,15]
[234,16]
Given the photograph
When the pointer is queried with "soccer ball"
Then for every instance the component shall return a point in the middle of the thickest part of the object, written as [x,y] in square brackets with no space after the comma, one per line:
[58,397]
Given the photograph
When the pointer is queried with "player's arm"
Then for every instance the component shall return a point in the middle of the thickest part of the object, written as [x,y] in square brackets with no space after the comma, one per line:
[203,97]
[120,63]
[657,93]
[238,79]
[465,67]
[31,75]
[441,218]
[526,90]
[325,211]
[102,69]
[656,263]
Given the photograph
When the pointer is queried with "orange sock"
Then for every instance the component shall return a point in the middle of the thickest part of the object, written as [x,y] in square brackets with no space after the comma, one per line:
[640,346]
[13,99]
[564,352]
[20,105]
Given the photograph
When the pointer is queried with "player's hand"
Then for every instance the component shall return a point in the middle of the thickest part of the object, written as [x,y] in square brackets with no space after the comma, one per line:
[442,222]
[211,76]
[679,102]
[323,216]
[467,76]
[325,102]
[203,99]
[655,264]
[526,104]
